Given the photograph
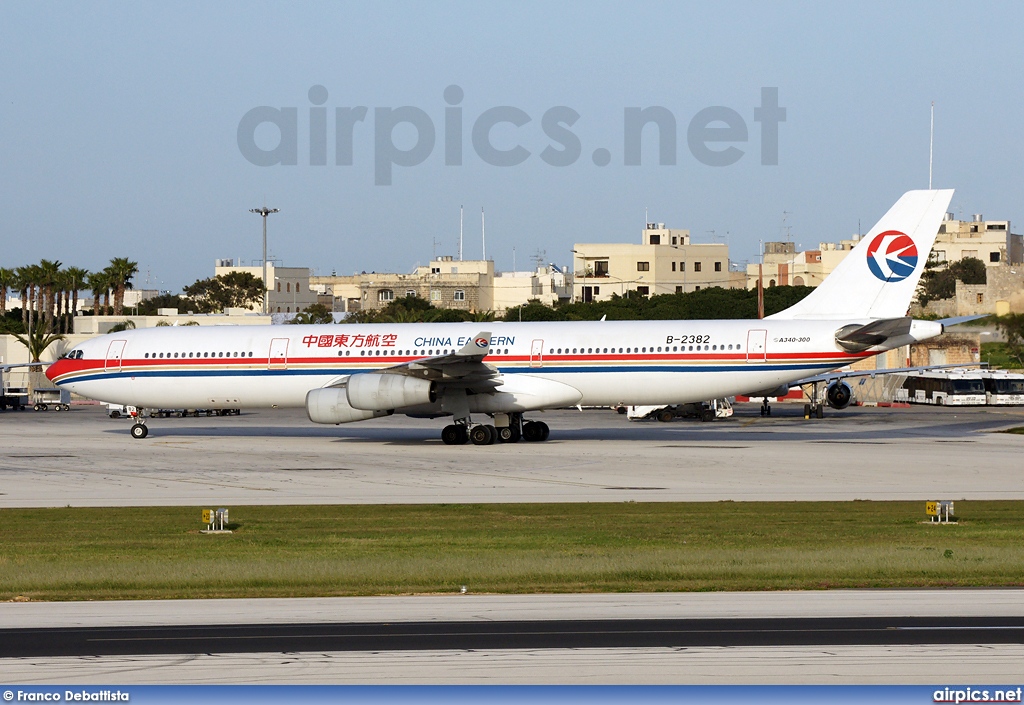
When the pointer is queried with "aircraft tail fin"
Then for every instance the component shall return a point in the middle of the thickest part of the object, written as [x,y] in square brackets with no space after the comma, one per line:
[878,278]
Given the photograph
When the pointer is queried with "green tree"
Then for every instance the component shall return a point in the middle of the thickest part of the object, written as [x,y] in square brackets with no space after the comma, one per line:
[99,284]
[8,280]
[48,272]
[231,290]
[127,324]
[315,313]
[938,282]
[969,270]
[121,271]
[76,280]
[149,306]
[38,341]
[1012,326]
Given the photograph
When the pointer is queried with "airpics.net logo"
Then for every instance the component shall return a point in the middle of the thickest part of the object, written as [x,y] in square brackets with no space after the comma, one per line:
[407,136]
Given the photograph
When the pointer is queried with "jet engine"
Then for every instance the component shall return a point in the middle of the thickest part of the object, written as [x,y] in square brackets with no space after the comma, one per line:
[377,392]
[330,405]
[839,395]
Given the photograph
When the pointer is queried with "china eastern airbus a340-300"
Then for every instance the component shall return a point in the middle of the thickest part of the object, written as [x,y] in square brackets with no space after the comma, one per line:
[489,381]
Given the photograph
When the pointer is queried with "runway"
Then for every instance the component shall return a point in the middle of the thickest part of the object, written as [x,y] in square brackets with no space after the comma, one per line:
[558,634]
[841,636]
[82,458]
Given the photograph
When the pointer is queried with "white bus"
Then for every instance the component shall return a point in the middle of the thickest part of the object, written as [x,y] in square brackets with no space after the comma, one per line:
[944,388]
[1004,388]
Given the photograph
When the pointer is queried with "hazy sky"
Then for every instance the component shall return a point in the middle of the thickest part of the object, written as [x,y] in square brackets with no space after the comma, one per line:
[119,125]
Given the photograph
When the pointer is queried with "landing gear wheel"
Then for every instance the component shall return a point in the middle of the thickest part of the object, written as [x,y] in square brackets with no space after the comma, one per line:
[819,412]
[531,432]
[807,411]
[139,431]
[536,431]
[507,434]
[483,435]
[453,435]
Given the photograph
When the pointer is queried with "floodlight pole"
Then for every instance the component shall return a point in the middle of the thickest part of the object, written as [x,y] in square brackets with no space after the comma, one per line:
[264,211]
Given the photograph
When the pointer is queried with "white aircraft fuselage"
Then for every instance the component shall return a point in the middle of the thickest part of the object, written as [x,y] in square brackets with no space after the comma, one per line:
[607,362]
[346,373]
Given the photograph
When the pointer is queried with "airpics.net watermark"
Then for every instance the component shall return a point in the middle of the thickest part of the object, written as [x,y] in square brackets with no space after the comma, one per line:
[712,134]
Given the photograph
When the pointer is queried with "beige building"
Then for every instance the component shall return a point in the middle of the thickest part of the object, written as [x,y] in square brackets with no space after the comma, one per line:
[288,287]
[665,262]
[464,285]
[784,266]
[988,240]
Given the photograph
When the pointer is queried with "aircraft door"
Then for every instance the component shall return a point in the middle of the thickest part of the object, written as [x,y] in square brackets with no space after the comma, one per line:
[278,359]
[537,353]
[114,354]
[757,341]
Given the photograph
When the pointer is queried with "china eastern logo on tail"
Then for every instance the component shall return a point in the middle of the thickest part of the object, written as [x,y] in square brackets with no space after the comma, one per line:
[892,256]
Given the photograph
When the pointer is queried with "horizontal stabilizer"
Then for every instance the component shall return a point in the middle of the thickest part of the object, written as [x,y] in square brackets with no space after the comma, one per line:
[947,322]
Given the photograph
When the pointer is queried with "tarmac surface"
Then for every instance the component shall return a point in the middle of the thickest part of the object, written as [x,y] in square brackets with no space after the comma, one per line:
[83,458]
[789,637]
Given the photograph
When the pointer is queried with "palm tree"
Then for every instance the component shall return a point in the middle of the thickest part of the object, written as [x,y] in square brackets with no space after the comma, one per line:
[121,272]
[8,280]
[24,285]
[38,341]
[76,279]
[99,282]
[127,324]
[49,272]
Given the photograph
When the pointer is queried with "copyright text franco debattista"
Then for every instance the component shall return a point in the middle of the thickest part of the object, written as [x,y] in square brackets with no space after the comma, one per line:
[68,696]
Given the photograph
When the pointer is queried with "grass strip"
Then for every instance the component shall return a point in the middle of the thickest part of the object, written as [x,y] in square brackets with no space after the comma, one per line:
[158,552]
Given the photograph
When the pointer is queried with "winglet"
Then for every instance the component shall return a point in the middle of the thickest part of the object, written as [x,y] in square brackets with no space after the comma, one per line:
[477,346]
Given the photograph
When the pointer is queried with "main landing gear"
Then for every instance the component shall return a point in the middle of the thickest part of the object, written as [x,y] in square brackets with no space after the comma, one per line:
[815,409]
[509,429]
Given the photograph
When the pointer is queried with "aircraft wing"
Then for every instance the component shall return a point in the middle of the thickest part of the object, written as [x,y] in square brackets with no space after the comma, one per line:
[837,375]
[463,368]
[11,366]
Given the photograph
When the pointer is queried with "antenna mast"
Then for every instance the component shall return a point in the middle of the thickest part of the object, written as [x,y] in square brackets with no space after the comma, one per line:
[460,233]
[483,233]
[931,146]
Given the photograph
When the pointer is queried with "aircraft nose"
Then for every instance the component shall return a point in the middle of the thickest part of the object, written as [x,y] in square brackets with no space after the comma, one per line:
[57,369]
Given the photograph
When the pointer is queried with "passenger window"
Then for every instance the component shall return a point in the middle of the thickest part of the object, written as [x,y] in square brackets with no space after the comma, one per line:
[659,348]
